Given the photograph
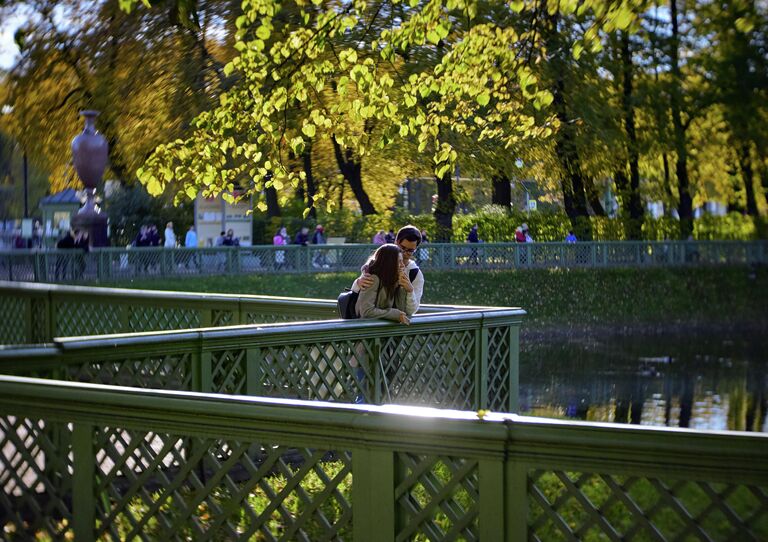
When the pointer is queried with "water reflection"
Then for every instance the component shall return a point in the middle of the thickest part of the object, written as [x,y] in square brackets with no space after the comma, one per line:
[710,381]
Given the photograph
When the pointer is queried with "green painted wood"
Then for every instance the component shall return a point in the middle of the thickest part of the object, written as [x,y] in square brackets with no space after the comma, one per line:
[516,501]
[493,501]
[373,497]
[84,476]
[481,368]
[206,372]
[505,449]
[254,372]
[514,368]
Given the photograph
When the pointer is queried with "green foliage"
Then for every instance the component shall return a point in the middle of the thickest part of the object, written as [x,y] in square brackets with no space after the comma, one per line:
[450,74]
[496,225]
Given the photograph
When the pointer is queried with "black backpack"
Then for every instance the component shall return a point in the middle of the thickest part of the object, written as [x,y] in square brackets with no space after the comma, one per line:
[347,299]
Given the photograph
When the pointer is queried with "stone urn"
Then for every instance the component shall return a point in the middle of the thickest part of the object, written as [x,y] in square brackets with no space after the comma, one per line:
[90,153]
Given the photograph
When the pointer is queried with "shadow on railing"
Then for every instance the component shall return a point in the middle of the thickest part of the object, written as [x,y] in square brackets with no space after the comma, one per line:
[115,264]
[97,462]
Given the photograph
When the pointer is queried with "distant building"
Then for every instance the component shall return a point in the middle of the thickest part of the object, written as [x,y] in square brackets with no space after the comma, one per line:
[58,210]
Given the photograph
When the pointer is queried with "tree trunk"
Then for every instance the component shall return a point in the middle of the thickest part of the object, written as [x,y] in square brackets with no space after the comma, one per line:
[572,182]
[764,177]
[685,201]
[273,206]
[310,180]
[747,175]
[446,206]
[351,169]
[593,195]
[502,191]
[631,198]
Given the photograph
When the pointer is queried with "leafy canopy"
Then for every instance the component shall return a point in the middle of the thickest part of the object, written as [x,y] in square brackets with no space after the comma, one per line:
[437,72]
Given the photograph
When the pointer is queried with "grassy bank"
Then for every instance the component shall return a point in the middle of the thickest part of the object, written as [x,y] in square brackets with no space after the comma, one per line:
[552,297]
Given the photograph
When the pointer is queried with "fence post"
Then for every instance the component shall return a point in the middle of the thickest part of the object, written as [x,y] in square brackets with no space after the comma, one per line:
[83,477]
[514,367]
[374,511]
[492,503]
[593,253]
[481,371]
[452,247]
[516,500]
[254,372]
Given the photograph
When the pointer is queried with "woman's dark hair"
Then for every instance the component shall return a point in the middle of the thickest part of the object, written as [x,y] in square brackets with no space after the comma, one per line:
[385,264]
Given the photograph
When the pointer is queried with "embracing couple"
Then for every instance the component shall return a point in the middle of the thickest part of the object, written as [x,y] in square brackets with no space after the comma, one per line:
[391,284]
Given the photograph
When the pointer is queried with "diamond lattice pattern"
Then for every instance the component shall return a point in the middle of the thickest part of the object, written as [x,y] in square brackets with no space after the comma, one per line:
[162,318]
[437,498]
[12,321]
[589,506]
[330,371]
[158,486]
[498,369]
[35,479]
[435,369]
[75,318]
[170,372]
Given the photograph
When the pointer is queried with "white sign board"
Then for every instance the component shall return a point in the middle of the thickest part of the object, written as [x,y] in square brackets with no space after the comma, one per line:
[214,215]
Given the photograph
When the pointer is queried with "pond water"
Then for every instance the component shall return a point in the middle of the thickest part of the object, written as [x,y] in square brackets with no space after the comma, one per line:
[711,381]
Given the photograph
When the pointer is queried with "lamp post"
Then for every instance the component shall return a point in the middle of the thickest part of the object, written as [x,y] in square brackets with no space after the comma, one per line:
[7,109]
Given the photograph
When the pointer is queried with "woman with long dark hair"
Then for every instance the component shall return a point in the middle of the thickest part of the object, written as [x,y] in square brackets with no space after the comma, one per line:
[385,298]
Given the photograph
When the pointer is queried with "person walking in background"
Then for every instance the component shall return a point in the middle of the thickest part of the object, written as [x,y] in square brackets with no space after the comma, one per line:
[519,235]
[63,260]
[473,237]
[154,236]
[318,238]
[230,240]
[380,238]
[170,236]
[280,239]
[82,243]
[190,241]
[220,239]
[302,237]
[390,236]
[571,237]
[528,238]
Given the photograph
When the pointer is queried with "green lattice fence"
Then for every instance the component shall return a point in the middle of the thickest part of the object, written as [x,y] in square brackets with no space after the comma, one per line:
[456,359]
[97,462]
[109,264]
[36,313]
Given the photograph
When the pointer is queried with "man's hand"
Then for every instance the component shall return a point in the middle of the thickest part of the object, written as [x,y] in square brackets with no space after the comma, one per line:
[404,319]
[364,281]
[404,281]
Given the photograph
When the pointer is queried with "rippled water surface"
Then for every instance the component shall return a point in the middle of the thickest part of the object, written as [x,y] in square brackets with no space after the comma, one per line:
[702,381]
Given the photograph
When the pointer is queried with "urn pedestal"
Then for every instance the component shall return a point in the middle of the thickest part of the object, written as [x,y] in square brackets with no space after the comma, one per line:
[89,156]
